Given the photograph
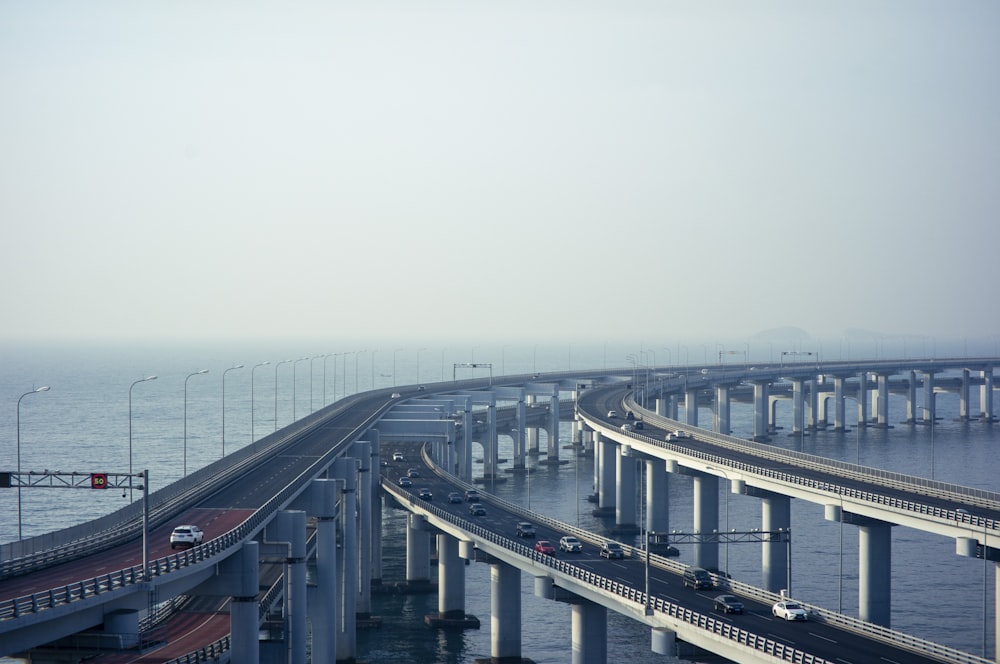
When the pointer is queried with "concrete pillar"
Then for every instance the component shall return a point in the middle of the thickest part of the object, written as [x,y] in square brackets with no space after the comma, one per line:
[323,609]
[505,610]
[875,572]
[290,526]
[418,551]
[553,448]
[814,419]
[531,449]
[882,413]
[986,395]
[760,411]
[589,633]
[722,409]
[664,641]
[838,404]
[362,452]
[625,499]
[346,469]
[963,395]
[490,442]
[657,497]
[691,407]
[607,451]
[863,399]
[776,513]
[244,612]
[451,578]
[706,519]
[911,398]
[376,502]
[798,405]
[930,403]
[465,447]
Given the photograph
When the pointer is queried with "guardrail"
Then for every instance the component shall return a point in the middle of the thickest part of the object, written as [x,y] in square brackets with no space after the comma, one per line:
[856,625]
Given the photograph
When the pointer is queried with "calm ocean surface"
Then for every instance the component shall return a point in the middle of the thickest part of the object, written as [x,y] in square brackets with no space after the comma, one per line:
[82,424]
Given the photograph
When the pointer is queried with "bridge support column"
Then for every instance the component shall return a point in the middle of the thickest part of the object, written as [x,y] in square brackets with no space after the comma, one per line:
[490,443]
[375,493]
[722,409]
[362,452]
[657,497]
[607,468]
[760,411]
[875,571]
[553,447]
[838,404]
[798,406]
[451,579]
[706,519]
[776,513]
[465,447]
[625,494]
[882,408]
[963,396]
[589,632]
[346,469]
[290,526]
[244,612]
[418,551]
[986,395]
[911,398]
[691,407]
[531,448]
[664,641]
[505,609]
[863,399]
[323,599]
[930,402]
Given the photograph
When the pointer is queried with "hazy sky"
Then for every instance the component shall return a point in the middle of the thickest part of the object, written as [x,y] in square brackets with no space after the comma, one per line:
[519,170]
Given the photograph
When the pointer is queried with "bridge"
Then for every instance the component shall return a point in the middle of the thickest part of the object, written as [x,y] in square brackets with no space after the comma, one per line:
[255,505]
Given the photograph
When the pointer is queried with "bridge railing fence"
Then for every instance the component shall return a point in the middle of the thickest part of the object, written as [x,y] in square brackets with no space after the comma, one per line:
[631,593]
[982,497]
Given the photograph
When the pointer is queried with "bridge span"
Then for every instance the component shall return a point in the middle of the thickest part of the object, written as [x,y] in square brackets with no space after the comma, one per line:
[320,468]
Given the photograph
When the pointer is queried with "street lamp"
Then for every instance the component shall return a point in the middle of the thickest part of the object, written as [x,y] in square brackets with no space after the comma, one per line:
[372,369]
[276,391]
[394,382]
[294,381]
[196,373]
[141,380]
[18,416]
[237,366]
[262,364]
[312,408]
[418,363]
[334,356]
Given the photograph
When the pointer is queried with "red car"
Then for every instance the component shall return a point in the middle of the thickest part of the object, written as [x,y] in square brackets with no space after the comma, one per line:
[545,546]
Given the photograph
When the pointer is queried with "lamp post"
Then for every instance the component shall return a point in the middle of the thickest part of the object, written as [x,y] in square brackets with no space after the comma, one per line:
[312,408]
[294,381]
[726,475]
[333,355]
[372,368]
[418,363]
[18,416]
[356,353]
[196,373]
[236,366]
[141,380]
[262,364]
[276,391]
[395,350]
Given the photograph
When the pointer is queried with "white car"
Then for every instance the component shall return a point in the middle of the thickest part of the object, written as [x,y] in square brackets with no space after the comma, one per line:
[789,611]
[570,544]
[612,414]
[186,536]
[398,456]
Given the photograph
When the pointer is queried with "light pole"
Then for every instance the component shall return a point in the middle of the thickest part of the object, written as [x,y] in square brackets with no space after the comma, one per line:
[418,363]
[312,408]
[262,364]
[236,366]
[276,391]
[395,350]
[141,380]
[334,356]
[372,367]
[294,381]
[356,353]
[18,416]
[196,373]
[726,475]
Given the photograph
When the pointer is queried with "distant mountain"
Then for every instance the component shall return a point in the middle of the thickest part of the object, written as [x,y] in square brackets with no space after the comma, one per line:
[787,334]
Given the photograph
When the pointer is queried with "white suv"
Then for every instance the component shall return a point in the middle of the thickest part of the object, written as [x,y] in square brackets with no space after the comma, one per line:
[186,536]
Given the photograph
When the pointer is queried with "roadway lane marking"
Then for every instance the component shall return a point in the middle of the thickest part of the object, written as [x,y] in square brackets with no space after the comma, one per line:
[819,636]
[891,661]
[845,661]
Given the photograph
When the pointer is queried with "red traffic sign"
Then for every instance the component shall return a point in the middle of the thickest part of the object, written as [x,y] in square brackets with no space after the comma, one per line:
[98,481]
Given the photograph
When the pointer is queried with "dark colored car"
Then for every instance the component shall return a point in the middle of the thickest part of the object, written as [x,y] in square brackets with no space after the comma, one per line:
[612,550]
[525,529]
[425,494]
[476,509]
[728,604]
[454,497]
[405,481]
[472,496]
